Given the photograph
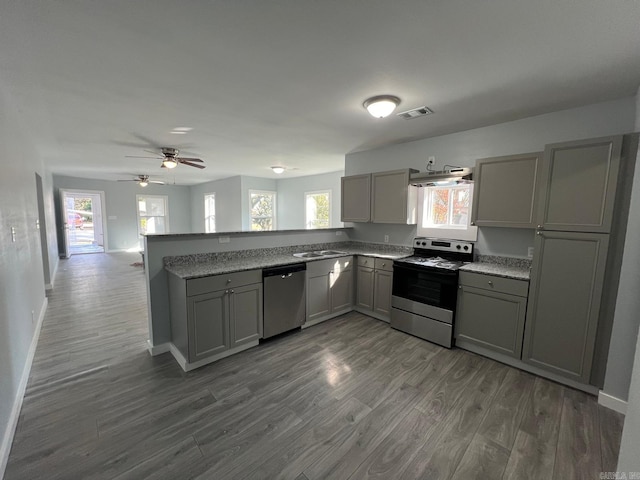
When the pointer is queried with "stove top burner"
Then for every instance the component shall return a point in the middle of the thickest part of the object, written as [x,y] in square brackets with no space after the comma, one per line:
[434,262]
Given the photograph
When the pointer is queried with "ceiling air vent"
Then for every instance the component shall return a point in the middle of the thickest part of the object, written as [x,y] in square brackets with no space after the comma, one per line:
[415,113]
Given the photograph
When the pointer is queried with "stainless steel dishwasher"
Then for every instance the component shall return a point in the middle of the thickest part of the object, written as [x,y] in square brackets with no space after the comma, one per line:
[284,298]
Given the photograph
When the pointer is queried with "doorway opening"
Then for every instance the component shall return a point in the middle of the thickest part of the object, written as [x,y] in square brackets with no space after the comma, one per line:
[83,222]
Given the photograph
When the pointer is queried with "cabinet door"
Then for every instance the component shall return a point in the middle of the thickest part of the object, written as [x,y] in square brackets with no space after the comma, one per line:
[341,281]
[491,320]
[393,200]
[318,295]
[364,289]
[564,302]
[382,293]
[208,319]
[245,314]
[505,191]
[579,185]
[356,198]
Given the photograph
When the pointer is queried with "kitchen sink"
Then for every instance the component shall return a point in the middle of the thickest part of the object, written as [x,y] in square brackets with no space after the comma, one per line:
[319,253]
[331,252]
[307,255]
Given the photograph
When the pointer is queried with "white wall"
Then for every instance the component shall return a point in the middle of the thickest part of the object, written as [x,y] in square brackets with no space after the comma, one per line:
[627,308]
[22,291]
[120,202]
[291,207]
[463,148]
[228,204]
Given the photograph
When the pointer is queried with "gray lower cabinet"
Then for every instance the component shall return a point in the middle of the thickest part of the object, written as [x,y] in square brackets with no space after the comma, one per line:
[513,177]
[374,282]
[564,302]
[491,313]
[214,316]
[329,288]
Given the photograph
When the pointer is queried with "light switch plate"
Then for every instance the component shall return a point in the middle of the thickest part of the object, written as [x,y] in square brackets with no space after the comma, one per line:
[530,252]
[224,239]
[13,234]
[386,239]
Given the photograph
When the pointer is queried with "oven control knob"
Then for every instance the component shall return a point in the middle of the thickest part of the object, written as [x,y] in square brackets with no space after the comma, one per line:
[466,247]
[458,247]
[424,244]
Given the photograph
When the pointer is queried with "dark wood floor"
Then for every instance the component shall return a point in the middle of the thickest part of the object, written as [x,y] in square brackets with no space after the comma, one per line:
[347,399]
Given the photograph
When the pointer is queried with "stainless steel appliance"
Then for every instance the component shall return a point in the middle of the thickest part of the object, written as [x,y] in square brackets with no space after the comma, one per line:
[425,288]
[284,298]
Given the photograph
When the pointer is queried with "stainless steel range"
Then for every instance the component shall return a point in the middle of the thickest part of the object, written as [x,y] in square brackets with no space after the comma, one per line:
[425,288]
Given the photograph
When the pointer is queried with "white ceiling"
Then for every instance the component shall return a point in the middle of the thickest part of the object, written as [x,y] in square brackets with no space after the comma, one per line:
[283,81]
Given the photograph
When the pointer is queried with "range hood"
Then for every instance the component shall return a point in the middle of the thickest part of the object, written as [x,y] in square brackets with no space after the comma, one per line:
[453,176]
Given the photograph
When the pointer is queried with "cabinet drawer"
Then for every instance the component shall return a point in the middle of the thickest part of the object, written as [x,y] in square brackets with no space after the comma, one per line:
[384,264]
[197,286]
[366,261]
[496,284]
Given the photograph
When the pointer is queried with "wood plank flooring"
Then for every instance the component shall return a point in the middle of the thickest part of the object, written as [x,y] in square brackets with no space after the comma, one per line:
[346,399]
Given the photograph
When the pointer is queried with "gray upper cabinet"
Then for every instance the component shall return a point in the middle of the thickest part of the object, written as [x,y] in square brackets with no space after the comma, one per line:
[579,185]
[356,198]
[382,197]
[505,191]
[564,302]
[393,200]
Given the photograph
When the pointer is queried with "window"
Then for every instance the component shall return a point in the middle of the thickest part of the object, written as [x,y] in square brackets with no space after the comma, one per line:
[317,207]
[445,211]
[210,213]
[153,214]
[263,210]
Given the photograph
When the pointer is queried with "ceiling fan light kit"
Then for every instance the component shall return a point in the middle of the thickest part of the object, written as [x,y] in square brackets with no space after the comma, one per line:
[382,105]
[169,163]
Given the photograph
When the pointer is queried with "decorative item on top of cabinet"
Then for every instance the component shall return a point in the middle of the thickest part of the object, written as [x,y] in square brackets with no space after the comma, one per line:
[505,191]
[491,313]
[374,284]
[381,197]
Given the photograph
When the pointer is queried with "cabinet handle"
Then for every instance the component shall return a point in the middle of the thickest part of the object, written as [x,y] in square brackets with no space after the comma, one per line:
[229,281]
[384,264]
[232,291]
[226,292]
[540,227]
[538,233]
[490,282]
[473,223]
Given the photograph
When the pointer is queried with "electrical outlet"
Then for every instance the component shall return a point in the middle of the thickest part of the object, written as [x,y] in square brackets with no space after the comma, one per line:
[224,239]
[13,234]
[33,316]
[338,233]
[530,252]
[386,239]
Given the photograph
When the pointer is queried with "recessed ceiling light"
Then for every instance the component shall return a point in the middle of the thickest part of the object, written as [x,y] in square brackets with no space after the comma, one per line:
[382,105]
[277,169]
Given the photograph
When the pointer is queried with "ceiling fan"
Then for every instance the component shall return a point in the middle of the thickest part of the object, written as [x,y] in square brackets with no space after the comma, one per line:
[143,180]
[170,158]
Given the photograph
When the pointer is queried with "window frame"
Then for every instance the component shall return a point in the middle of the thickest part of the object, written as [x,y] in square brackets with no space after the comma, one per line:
[328,192]
[207,217]
[466,232]
[165,199]
[275,209]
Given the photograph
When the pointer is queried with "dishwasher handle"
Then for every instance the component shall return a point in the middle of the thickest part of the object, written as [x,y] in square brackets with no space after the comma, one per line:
[287,275]
[284,271]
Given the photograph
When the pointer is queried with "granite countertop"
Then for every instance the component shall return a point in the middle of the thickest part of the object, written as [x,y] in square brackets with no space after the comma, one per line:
[188,266]
[507,267]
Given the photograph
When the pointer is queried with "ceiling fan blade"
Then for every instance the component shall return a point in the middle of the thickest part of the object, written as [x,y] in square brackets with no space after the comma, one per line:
[136,180]
[155,181]
[148,141]
[191,159]
[192,164]
[150,151]
[137,156]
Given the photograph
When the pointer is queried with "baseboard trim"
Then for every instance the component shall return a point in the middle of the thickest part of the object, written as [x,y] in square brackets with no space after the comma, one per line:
[612,402]
[187,367]
[155,350]
[7,438]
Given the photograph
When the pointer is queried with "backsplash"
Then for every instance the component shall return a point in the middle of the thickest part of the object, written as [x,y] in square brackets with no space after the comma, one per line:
[506,261]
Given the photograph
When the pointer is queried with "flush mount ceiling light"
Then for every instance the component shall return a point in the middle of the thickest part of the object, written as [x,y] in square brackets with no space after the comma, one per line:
[277,169]
[169,163]
[382,105]
[181,130]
